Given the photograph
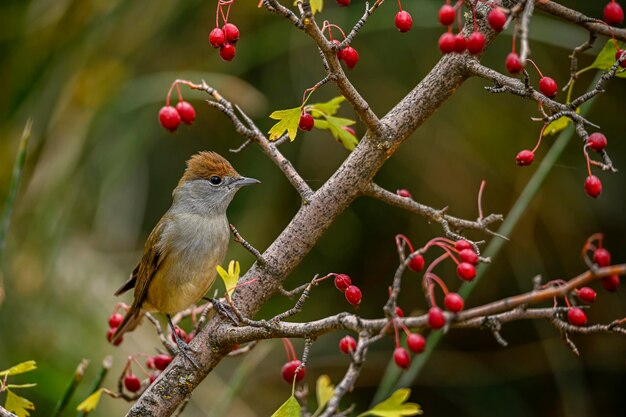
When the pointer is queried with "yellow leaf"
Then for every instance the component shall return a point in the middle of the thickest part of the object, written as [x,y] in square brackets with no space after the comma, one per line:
[395,406]
[230,278]
[19,368]
[324,391]
[557,125]
[18,405]
[316,5]
[328,108]
[90,402]
[288,120]
[290,408]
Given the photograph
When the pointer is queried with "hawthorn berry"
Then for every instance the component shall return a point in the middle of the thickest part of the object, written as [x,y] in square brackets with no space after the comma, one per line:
[576,317]
[416,263]
[602,257]
[403,21]
[217,38]
[513,64]
[453,302]
[460,43]
[152,378]
[342,282]
[416,342]
[596,141]
[169,118]
[110,334]
[468,255]
[587,295]
[350,56]
[496,19]
[446,15]
[289,371]
[403,192]
[447,43]
[548,87]
[476,43]
[353,295]
[466,271]
[436,319]
[611,283]
[347,344]
[306,122]
[525,158]
[613,13]
[150,362]
[399,312]
[132,382]
[343,3]
[462,244]
[593,186]
[161,361]
[186,111]
[231,32]
[401,357]
[115,320]
[227,52]
[618,55]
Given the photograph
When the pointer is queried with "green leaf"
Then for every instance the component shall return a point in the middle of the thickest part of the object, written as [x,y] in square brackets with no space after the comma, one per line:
[329,108]
[606,58]
[324,391]
[18,405]
[557,125]
[90,403]
[230,278]
[290,408]
[395,406]
[335,125]
[287,121]
[20,368]
[21,385]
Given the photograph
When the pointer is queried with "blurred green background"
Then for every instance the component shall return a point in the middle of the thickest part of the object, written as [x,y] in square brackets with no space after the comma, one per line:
[92,75]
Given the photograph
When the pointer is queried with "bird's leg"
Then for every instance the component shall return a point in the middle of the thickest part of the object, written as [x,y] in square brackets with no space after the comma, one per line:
[222,310]
[183,349]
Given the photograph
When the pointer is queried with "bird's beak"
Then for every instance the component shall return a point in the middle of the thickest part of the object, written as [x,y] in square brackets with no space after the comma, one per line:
[243,181]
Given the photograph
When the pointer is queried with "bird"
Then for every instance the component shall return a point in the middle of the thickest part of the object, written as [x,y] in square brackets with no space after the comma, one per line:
[181,253]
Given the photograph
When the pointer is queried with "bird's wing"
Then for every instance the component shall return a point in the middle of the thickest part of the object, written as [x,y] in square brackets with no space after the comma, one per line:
[130,283]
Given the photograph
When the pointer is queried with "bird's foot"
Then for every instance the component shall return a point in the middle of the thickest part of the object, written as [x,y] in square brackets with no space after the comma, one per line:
[185,351]
[223,310]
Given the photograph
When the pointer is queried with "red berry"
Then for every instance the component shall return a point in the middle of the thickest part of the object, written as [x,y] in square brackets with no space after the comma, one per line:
[227,52]
[446,43]
[340,51]
[403,21]
[466,271]
[306,122]
[613,14]
[399,312]
[189,337]
[587,295]
[596,141]
[186,111]
[576,317]
[602,257]
[401,357]
[611,283]
[476,43]
[110,334]
[525,158]
[169,118]
[132,383]
[548,87]
[180,333]
[403,192]
[496,19]
[161,361]
[115,320]
[513,64]
[593,186]
[416,263]
[342,282]
[618,55]
[453,302]
[217,38]
[350,56]
[416,342]
[150,363]
[436,319]
[343,3]
[347,344]
[462,244]
[231,32]
[353,295]
[460,43]
[447,15]
[289,371]
[468,255]
[153,378]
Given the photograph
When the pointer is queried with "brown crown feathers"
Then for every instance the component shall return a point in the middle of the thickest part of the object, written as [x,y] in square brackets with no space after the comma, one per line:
[205,164]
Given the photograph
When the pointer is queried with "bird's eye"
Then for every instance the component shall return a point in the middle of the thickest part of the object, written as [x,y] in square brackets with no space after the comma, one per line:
[215,180]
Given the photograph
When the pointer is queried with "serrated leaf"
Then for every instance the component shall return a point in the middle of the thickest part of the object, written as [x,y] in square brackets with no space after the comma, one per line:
[20,368]
[395,406]
[90,403]
[606,59]
[290,408]
[18,405]
[288,120]
[21,385]
[328,108]
[230,277]
[321,124]
[335,125]
[324,391]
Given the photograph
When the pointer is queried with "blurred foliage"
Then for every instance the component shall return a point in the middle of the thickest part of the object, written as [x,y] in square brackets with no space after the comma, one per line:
[92,75]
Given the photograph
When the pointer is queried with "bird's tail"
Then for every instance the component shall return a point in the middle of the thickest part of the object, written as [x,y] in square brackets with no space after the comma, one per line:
[130,323]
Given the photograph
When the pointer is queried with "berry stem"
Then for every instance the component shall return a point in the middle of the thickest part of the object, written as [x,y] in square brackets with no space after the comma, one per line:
[433,277]
[474,15]
[480,198]
[401,238]
[395,330]
[540,137]
[399,5]
[536,67]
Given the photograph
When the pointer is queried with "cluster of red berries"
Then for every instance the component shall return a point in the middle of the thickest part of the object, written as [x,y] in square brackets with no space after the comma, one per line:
[170,117]
[115,320]
[352,293]
[156,364]
[288,371]
[414,341]
[448,42]
[602,258]
[596,142]
[613,13]
[225,37]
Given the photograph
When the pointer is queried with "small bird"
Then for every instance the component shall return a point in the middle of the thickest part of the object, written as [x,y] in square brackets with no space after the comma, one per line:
[183,249]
